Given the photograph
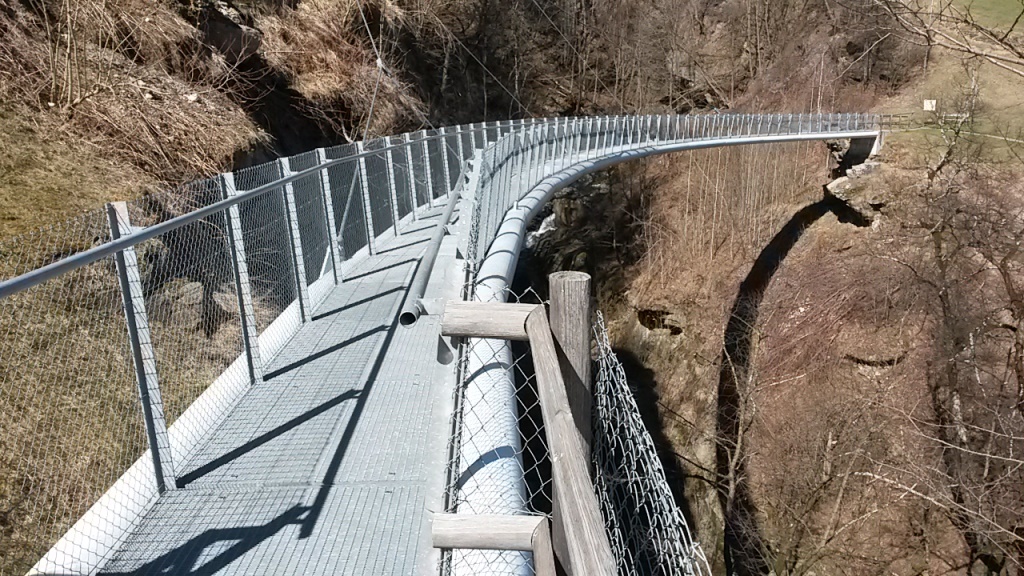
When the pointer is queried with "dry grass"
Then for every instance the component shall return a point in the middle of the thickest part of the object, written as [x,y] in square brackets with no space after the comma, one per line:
[47,175]
[126,98]
[70,422]
[323,47]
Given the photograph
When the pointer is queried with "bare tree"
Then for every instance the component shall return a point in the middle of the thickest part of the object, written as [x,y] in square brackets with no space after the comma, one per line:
[950,25]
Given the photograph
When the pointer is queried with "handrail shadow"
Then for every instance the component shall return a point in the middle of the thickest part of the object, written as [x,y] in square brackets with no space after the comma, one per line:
[211,546]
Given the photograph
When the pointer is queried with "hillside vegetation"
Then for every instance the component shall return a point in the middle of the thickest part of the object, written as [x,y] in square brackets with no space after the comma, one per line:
[880,375]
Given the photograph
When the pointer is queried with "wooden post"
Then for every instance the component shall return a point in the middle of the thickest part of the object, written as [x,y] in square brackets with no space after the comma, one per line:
[143,354]
[497,532]
[570,323]
[579,524]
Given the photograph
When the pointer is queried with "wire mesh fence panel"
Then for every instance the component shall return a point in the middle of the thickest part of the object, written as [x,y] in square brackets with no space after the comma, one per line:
[451,147]
[160,206]
[647,530]
[70,423]
[482,220]
[493,132]
[435,163]
[346,196]
[187,282]
[267,237]
[379,187]
[312,220]
[400,166]
[468,146]
[420,170]
[479,135]
[498,455]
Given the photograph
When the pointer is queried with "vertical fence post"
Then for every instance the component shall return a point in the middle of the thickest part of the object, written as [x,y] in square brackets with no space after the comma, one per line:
[301,290]
[426,168]
[332,230]
[570,324]
[389,161]
[411,173]
[371,240]
[443,132]
[243,287]
[143,355]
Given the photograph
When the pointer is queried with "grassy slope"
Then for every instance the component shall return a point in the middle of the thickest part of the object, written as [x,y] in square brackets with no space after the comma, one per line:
[994,12]
[47,178]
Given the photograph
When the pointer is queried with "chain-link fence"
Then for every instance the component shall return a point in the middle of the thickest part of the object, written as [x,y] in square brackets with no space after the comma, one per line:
[648,532]
[499,462]
[216,276]
[211,301]
[497,456]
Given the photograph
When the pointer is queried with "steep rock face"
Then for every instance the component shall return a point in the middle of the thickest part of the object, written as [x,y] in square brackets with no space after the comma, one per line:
[224,28]
[860,191]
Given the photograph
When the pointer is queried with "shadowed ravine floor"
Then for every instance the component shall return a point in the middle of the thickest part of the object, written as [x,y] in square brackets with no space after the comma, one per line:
[745,549]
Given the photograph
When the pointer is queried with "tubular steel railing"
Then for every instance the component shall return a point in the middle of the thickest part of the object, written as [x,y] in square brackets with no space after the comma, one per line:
[126,334]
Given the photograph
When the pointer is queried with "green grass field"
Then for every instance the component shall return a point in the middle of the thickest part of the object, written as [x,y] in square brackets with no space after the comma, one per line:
[995,13]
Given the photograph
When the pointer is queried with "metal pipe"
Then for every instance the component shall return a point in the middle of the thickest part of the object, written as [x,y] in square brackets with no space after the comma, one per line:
[413,308]
[84,258]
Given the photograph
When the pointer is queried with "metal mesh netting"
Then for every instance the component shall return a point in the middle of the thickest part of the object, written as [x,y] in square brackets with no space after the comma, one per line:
[498,456]
[436,162]
[403,176]
[378,186]
[311,216]
[499,464]
[466,137]
[451,146]
[346,194]
[266,234]
[647,530]
[69,410]
[70,417]
[420,169]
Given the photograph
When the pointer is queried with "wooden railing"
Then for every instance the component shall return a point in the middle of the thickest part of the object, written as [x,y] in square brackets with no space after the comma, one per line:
[561,356]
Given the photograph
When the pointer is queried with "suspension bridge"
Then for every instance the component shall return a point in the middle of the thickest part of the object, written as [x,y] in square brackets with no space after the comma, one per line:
[253,374]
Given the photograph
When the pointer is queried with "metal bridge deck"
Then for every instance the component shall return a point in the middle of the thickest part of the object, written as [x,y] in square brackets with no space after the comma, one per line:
[330,465]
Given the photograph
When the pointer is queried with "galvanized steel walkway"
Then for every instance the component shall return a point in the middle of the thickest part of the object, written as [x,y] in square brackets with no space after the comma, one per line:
[331,464]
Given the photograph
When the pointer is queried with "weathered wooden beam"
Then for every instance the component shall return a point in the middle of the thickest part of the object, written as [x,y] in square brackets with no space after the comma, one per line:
[587,542]
[570,325]
[485,320]
[497,532]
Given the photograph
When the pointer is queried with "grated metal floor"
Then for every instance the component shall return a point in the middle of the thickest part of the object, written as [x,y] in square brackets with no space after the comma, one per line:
[331,464]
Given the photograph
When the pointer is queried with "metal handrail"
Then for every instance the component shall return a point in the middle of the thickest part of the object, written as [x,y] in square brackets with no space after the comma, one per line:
[86,257]
[35,277]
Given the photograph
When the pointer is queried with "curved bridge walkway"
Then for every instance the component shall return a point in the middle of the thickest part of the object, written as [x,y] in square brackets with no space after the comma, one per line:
[330,458]
[330,465]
